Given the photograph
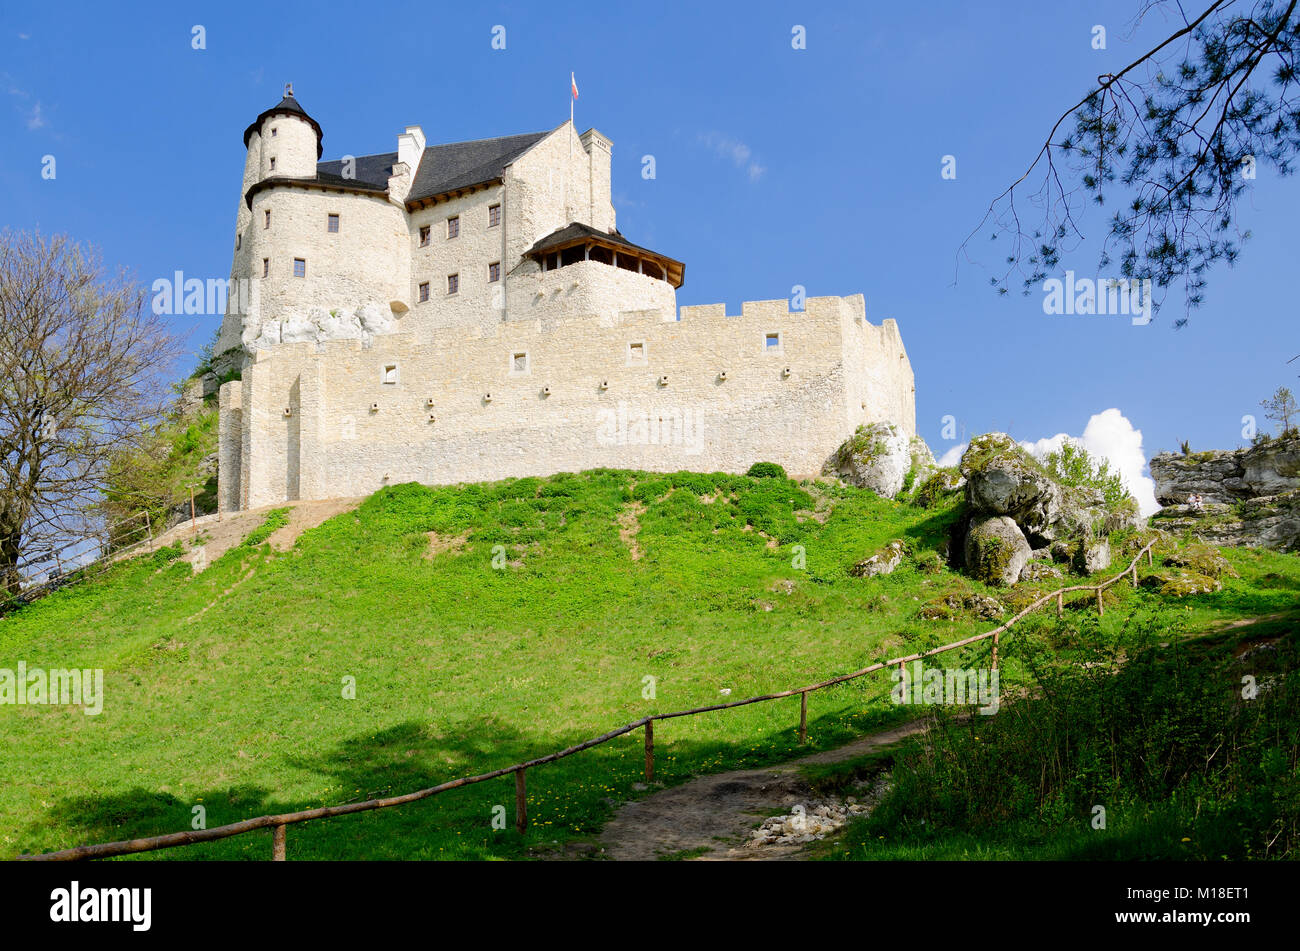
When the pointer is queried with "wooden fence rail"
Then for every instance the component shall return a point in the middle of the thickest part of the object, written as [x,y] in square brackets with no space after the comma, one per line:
[57,572]
[279,823]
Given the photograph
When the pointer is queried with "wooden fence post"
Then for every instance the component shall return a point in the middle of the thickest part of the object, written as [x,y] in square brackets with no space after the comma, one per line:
[148,527]
[1060,604]
[1100,609]
[1150,558]
[803,717]
[521,803]
[996,635]
[277,844]
[1135,574]
[194,519]
[649,751]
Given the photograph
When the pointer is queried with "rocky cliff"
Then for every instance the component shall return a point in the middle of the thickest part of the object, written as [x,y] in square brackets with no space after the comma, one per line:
[1270,468]
[1250,497]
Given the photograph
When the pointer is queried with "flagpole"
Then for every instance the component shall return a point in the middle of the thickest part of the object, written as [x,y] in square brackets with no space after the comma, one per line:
[569,170]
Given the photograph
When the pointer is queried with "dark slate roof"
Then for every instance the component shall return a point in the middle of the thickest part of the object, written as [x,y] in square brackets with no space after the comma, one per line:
[577,233]
[368,170]
[323,180]
[288,106]
[445,168]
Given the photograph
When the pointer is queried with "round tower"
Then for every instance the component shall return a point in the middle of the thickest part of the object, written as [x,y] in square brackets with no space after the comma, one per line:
[286,140]
[282,142]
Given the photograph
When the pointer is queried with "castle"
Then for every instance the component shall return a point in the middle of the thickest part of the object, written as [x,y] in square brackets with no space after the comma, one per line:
[469,311]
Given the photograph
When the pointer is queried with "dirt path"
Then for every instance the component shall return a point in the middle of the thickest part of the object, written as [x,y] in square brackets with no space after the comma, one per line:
[216,536]
[717,813]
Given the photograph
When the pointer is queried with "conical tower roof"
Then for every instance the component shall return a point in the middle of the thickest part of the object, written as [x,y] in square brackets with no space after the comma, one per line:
[288,106]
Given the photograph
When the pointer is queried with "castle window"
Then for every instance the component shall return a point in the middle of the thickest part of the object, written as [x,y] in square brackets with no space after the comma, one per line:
[494,215]
[552,261]
[494,272]
[424,235]
[636,353]
[390,373]
[519,361]
[650,269]
[299,267]
[273,164]
[453,283]
[603,255]
[772,343]
[266,267]
[239,241]
[266,221]
[453,226]
[332,224]
[424,292]
[572,255]
[274,132]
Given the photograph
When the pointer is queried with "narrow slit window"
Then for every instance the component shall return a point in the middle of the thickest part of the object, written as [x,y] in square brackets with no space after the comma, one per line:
[266,220]
[273,163]
[266,267]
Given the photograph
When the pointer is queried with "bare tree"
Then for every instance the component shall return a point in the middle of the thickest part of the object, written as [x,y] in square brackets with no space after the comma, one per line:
[80,363]
[1170,141]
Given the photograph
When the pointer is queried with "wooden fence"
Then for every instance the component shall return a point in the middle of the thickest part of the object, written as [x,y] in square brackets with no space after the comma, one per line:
[279,823]
[61,564]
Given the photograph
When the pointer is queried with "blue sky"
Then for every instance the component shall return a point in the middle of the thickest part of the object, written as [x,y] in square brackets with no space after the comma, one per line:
[775,166]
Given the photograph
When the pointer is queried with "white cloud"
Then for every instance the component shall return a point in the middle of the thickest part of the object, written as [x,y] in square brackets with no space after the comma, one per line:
[735,151]
[1109,435]
[952,456]
[35,120]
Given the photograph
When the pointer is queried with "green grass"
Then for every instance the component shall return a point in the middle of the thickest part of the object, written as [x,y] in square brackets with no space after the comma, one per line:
[1186,762]
[225,689]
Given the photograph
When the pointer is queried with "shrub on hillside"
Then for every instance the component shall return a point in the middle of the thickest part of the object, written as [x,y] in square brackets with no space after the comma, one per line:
[766,470]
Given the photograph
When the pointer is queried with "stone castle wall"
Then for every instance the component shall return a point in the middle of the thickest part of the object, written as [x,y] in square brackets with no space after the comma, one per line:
[581,397]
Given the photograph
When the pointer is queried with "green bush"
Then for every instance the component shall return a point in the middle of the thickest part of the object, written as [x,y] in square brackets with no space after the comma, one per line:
[766,470]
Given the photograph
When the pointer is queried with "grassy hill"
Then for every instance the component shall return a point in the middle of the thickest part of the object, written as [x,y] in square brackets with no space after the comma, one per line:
[486,624]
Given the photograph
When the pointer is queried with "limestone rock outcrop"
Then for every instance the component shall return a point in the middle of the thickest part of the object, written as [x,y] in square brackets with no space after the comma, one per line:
[1271,521]
[1269,468]
[1091,555]
[996,550]
[1249,497]
[1003,479]
[319,325]
[877,457]
[882,562]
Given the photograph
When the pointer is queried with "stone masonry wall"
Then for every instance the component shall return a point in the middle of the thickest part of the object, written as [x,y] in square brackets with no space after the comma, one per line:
[579,399]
